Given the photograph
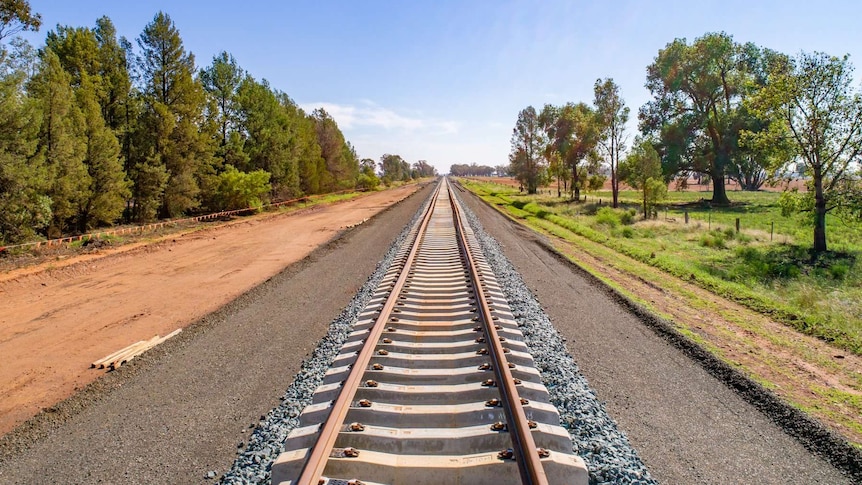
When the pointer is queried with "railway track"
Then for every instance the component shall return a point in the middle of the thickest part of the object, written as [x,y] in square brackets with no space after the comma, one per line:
[435,384]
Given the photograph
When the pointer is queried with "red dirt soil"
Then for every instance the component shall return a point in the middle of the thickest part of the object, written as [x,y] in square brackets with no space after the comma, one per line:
[58,318]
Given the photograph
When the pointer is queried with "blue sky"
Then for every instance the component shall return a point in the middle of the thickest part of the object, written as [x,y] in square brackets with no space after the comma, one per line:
[444,80]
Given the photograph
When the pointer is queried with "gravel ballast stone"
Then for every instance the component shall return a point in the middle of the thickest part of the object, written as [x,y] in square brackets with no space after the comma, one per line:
[609,456]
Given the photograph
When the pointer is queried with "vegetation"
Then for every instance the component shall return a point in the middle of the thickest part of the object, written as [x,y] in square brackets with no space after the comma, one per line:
[721,111]
[772,275]
[84,143]
[819,116]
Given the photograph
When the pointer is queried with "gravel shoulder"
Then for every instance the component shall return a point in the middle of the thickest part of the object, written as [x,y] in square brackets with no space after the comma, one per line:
[183,409]
[686,425]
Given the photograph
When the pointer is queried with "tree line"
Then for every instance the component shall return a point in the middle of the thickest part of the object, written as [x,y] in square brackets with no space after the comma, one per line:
[94,130]
[475,170]
[720,110]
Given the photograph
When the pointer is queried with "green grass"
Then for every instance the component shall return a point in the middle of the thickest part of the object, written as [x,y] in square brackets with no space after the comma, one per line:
[774,274]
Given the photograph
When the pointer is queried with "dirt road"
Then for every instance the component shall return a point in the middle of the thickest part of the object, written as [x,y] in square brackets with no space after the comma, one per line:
[54,322]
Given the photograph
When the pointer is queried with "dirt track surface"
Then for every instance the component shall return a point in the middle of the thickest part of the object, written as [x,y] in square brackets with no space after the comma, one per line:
[55,322]
[686,425]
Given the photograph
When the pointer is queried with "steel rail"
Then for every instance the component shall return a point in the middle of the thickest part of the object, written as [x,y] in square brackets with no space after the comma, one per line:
[319,455]
[526,454]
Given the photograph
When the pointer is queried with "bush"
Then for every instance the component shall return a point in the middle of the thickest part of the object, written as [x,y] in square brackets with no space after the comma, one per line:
[367,181]
[240,190]
[839,271]
[714,240]
[628,217]
[628,232]
[608,217]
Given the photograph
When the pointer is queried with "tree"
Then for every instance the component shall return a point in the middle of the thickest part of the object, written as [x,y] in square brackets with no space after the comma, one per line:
[548,119]
[174,103]
[61,142]
[221,80]
[25,209]
[115,84]
[394,168]
[822,114]
[278,139]
[424,169]
[641,170]
[367,179]
[578,135]
[695,114]
[613,114]
[15,16]
[527,150]
[109,188]
[341,163]
[471,170]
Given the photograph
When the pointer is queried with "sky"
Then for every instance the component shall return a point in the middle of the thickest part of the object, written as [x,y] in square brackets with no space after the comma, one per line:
[443,81]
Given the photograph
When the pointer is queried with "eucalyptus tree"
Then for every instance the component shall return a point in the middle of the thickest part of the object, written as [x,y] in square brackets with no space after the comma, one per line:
[642,170]
[695,116]
[820,116]
[526,156]
[16,16]
[612,114]
[549,118]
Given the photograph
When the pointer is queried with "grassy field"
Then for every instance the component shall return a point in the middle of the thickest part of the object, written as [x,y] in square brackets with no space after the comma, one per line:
[766,266]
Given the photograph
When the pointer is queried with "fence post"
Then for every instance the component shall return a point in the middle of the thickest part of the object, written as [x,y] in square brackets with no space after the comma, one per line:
[771,229]
[737,225]
[686,217]
[709,223]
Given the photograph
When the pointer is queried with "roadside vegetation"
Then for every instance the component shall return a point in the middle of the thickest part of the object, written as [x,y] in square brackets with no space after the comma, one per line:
[122,235]
[670,268]
[98,130]
[772,273]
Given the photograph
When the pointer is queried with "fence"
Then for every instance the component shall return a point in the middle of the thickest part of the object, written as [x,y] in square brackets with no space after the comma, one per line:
[157,225]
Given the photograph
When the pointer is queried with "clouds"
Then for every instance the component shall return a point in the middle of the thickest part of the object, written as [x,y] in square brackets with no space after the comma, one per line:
[368,116]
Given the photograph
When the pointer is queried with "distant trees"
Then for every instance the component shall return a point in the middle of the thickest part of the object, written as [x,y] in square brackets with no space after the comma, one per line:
[394,169]
[84,143]
[423,169]
[472,170]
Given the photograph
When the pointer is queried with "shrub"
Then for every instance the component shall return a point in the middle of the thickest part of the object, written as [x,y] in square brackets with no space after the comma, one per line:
[367,181]
[627,217]
[714,240]
[608,217]
[628,232]
[239,190]
[839,271]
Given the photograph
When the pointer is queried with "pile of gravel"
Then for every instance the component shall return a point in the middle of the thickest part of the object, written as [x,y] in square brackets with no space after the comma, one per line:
[606,450]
